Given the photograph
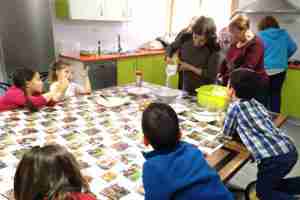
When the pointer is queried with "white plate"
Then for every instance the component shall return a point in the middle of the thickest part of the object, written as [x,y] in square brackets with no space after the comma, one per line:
[207,113]
[113,101]
[179,108]
[204,118]
[139,90]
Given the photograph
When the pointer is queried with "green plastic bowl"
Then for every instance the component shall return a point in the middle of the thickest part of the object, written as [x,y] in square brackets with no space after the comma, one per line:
[213,97]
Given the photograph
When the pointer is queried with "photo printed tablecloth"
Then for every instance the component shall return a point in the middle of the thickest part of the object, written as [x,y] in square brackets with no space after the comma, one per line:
[107,142]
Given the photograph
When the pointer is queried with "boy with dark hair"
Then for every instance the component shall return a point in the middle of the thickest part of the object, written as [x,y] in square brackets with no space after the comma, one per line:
[274,152]
[175,169]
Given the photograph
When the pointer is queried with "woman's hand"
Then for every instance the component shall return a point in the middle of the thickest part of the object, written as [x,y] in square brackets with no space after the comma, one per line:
[219,78]
[169,60]
[187,67]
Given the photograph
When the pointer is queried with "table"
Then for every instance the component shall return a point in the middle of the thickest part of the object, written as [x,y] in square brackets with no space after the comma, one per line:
[107,142]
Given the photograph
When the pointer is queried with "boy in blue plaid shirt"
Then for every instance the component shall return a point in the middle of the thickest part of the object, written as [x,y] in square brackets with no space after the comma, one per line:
[274,152]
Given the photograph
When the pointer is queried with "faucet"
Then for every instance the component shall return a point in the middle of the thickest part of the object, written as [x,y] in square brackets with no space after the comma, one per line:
[119,43]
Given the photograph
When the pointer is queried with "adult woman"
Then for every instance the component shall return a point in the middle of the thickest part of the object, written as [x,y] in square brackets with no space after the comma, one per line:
[183,36]
[246,51]
[199,55]
[279,46]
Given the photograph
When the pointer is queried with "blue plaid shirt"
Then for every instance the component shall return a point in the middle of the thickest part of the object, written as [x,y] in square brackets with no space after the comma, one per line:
[252,122]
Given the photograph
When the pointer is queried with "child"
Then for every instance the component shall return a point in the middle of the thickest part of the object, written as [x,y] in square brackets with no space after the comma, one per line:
[273,151]
[175,169]
[27,91]
[50,173]
[61,71]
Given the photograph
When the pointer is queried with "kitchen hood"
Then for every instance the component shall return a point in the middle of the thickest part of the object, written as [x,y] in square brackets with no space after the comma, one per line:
[271,7]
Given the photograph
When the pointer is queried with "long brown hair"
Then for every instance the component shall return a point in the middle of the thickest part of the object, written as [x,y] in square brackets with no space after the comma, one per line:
[207,27]
[48,172]
[20,78]
[58,65]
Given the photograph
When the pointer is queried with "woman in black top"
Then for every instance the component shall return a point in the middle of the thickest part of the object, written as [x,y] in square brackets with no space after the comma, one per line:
[198,52]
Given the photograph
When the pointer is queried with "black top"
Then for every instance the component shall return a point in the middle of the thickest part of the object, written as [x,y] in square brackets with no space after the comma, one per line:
[182,37]
[201,57]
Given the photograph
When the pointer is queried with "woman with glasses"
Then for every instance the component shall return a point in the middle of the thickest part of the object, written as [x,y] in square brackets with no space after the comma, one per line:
[173,48]
[199,55]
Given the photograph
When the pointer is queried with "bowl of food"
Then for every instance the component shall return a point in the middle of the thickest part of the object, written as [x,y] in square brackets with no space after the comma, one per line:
[213,97]
[166,95]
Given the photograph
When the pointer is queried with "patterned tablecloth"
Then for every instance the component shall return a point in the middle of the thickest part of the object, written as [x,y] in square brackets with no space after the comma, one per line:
[107,142]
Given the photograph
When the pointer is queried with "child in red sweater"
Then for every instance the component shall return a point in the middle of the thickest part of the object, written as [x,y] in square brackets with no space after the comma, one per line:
[50,173]
[27,91]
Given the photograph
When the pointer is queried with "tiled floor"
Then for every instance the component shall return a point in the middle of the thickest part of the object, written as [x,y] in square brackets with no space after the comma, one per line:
[248,172]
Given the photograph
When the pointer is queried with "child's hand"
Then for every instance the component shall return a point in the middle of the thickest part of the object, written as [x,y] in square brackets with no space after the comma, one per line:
[63,85]
[85,72]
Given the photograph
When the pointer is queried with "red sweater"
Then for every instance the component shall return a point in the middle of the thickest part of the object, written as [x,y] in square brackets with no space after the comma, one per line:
[249,56]
[15,98]
[82,196]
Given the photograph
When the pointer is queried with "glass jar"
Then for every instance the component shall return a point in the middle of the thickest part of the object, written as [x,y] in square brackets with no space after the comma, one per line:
[138,78]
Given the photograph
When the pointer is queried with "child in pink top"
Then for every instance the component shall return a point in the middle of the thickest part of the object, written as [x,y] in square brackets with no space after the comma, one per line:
[27,92]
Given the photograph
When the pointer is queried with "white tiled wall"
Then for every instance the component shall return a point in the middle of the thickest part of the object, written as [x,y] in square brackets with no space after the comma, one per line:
[149,22]
[295,33]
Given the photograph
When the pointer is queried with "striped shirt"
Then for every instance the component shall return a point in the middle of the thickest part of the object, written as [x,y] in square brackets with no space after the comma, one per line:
[252,122]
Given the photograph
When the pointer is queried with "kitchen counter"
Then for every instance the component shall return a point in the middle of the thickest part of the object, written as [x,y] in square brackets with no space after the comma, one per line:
[293,66]
[126,65]
[116,56]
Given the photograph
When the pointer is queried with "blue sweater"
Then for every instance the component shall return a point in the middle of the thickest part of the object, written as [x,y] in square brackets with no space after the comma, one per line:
[279,46]
[182,174]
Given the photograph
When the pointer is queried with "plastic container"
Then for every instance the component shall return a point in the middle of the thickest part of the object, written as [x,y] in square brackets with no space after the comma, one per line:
[138,78]
[213,97]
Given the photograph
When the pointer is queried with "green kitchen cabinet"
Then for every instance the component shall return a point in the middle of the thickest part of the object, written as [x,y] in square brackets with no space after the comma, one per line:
[62,9]
[174,81]
[152,66]
[290,95]
[126,70]
[159,68]
[144,63]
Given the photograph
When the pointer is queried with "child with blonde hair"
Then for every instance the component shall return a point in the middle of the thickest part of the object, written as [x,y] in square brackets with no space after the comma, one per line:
[62,70]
